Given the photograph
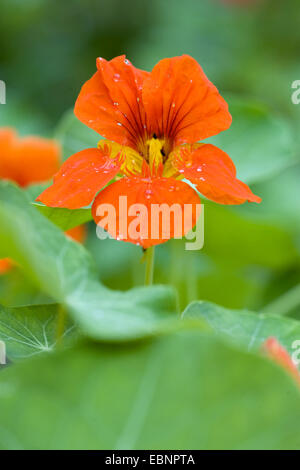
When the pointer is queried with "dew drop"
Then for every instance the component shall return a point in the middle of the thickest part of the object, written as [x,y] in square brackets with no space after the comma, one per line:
[127,62]
[148,193]
[199,169]
[119,123]
[116,103]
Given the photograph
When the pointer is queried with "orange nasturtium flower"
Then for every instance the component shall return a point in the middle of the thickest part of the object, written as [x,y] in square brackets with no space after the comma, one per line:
[25,161]
[152,122]
[279,354]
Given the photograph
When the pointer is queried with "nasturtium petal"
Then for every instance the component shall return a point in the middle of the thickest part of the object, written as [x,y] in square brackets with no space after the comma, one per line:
[213,173]
[80,178]
[181,103]
[144,196]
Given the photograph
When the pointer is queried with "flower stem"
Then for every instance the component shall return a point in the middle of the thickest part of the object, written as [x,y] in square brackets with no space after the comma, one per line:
[284,304]
[149,258]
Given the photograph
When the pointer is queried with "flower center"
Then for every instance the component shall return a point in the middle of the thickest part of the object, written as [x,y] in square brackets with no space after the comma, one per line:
[155,153]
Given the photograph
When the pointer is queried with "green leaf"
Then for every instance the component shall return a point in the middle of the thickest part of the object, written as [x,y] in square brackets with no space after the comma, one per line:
[280,200]
[65,218]
[181,391]
[245,241]
[259,142]
[28,331]
[64,270]
[247,329]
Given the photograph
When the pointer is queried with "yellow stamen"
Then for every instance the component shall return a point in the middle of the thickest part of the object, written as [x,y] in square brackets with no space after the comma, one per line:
[155,152]
[132,161]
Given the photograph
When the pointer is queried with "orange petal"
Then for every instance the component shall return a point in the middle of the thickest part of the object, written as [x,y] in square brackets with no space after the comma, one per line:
[77,233]
[38,159]
[27,160]
[213,173]
[5,265]
[146,195]
[80,178]
[8,166]
[280,355]
[110,102]
[181,103]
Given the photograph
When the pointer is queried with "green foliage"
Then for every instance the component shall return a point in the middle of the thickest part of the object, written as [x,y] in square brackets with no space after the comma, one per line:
[244,328]
[65,218]
[181,391]
[64,270]
[259,142]
[32,330]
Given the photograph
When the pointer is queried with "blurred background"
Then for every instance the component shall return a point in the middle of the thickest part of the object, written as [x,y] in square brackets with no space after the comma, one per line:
[250,51]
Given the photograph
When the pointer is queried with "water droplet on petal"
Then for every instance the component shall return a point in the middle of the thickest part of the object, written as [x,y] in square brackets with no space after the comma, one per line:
[148,193]
[199,169]
[116,103]
[119,123]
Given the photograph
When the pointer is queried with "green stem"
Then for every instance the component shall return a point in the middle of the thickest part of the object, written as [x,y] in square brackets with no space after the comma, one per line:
[285,303]
[149,259]
[61,320]
[191,280]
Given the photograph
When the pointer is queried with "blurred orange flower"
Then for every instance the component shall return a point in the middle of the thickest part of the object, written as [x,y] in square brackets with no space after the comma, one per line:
[278,354]
[153,122]
[29,160]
